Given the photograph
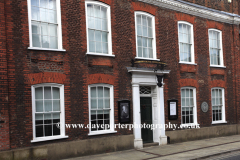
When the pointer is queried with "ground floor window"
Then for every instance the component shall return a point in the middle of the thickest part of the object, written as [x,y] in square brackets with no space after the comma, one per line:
[218,108]
[188,105]
[101,108]
[48,110]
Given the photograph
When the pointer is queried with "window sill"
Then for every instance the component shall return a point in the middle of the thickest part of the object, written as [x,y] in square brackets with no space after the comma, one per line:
[218,66]
[188,63]
[149,59]
[49,138]
[46,49]
[100,54]
[101,132]
[219,122]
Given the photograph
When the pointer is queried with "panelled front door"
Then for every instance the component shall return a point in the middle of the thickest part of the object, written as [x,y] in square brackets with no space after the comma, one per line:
[146,118]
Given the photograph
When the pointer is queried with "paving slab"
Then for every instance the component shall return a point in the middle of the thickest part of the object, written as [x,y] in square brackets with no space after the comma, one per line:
[181,151]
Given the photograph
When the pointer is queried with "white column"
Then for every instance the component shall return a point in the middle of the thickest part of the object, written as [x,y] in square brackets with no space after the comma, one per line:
[163,137]
[136,117]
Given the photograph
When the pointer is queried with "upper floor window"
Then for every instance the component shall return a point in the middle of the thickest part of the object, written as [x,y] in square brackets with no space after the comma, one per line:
[48,111]
[215,47]
[185,40]
[188,105]
[45,24]
[218,105]
[101,109]
[145,35]
[98,22]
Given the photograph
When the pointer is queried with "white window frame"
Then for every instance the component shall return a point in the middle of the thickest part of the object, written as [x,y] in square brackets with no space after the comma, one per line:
[153,32]
[110,53]
[221,51]
[192,40]
[111,113]
[62,114]
[194,108]
[223,107]
[59,28]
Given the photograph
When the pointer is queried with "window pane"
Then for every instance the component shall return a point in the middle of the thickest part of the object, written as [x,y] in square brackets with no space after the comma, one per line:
[56,130]
[139,40]
[52,4]
[45,41]
[104,37]
[139,19]
[48,105]
[53,30]
[144,20]
[39,106]
[48,118]
[93,92]
[139,51]
[139,30]
[149,43]
[145,33]
[90,11]
[106,92]
[149,22]
[107,103]
[52,16]
[91,22]
[39,93]
[98,23]
[38,119]
[103,12]
[97,11]
[92,46]
[47,93]
[44,29]
[100,103]
[105,47]
[56,94]
[93,103]
[36,40]
[98,36]
[43,14]
[35,13]
[44,3]
[150,51]
[150,32]
[35,27]
[104,25]
[53,42]
[144,41]
[93,115]
[39,131]
[100,92]
[56,105]
[35,2]
[48,130]
[145,53]
[56,117]
[99,47]
[91,34]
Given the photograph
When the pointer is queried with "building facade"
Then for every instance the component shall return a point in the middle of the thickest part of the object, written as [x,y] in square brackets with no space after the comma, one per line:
[110,62]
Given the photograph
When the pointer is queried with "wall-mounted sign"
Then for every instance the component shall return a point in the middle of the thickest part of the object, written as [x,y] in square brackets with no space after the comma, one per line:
[124,111]
[204,107]
[172,109]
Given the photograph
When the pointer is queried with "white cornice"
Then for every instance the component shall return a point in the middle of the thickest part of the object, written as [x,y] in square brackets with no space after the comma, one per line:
[196,10]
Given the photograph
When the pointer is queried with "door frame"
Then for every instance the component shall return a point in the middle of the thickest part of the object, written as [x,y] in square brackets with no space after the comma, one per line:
[147,77]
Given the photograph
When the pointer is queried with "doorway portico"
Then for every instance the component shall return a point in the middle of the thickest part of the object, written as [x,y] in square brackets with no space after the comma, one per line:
[154,79]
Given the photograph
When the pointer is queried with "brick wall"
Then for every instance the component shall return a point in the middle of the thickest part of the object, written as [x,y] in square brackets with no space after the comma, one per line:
[76,70]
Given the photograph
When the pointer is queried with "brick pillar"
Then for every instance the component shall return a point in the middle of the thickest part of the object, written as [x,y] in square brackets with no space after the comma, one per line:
[4,116]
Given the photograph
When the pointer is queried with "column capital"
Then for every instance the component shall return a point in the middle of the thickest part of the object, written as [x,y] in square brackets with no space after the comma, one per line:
[135,84]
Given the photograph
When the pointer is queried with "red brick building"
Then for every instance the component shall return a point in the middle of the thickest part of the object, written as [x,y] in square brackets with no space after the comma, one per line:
[115,61]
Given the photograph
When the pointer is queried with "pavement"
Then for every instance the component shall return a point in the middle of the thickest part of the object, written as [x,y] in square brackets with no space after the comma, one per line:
[191,150]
